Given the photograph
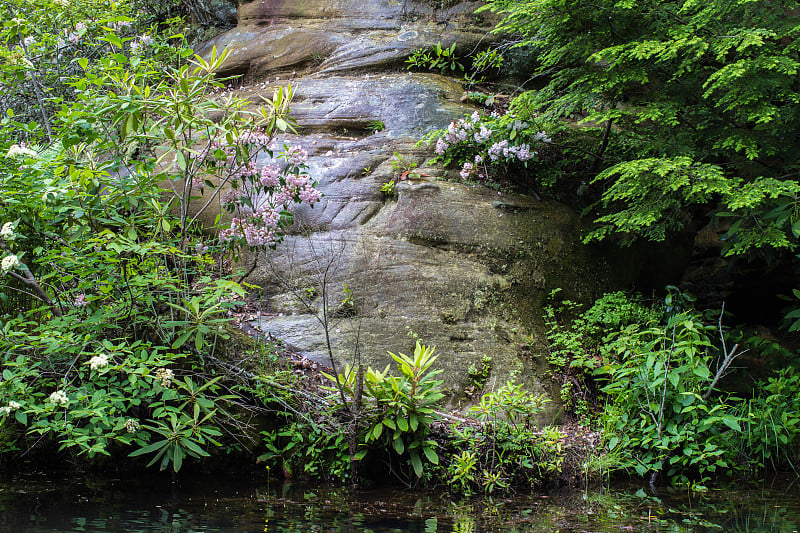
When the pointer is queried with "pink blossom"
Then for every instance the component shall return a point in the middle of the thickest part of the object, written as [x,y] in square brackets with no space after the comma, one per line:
[466,170]
[229,197]
[80,300]
[441,146]
[256,138]
[270,176]
[295,155]
[297,180]
[483,135]
[309,195]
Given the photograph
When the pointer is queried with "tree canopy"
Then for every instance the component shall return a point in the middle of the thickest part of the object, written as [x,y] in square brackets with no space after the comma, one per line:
[695,105]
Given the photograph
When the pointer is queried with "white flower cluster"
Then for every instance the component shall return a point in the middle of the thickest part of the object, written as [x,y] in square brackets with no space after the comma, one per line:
[9,262]
[59,398]
[164,376]
[98,362]
[10,408]
[131,425]
[20,150]
[7,232]
[141,42]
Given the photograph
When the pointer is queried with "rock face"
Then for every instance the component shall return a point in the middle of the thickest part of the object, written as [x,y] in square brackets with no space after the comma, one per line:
[459,266]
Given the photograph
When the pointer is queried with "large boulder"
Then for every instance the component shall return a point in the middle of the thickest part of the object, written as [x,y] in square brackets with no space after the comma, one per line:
[457,265]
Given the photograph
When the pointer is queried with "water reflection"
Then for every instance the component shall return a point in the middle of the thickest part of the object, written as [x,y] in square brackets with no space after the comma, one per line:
[48,504]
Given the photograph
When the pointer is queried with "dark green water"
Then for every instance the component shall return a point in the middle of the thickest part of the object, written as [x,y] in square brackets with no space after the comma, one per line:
[39,503]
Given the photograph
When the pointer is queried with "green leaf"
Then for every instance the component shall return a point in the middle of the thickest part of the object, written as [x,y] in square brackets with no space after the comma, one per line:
[180,341]
[431,455]
[398,446]
[416,463]
[731,422]
[150,448]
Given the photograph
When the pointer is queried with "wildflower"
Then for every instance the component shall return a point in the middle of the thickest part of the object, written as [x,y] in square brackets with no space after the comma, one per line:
[131,425]
[59,398]
[478,159]
[98,362]
[542,136]
[9,262]
[80,300]
[20,149]
[466,170]
[441,146]
[496,149]
[74,38]
[118,26]
[164,376]
[483,135]
[309,195]
[145,40]
[135,45]
[8,231]
[296,155]
[80,27]
[270,176]
[10,408]
[201,248]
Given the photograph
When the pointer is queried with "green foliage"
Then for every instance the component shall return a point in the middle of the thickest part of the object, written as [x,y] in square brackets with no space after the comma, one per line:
[576,342]
[318,450]
[108,352]
[771,423]
[504,450]
[438,58]
[661,409]
[388,189]
[478,375]
[689,104]
[399,410]
[402,165]
[376,125]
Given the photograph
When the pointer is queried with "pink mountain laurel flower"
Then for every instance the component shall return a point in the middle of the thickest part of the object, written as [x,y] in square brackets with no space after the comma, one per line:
[80,300]
[466,170]
[295,155]
[309,195]
[270,176]
[255,138]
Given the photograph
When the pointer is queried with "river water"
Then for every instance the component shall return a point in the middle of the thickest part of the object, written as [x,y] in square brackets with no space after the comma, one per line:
[39,503]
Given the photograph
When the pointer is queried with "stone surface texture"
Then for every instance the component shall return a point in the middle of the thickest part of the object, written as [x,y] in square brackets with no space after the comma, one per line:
[457,265]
